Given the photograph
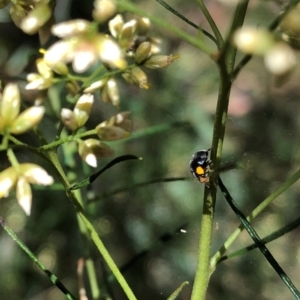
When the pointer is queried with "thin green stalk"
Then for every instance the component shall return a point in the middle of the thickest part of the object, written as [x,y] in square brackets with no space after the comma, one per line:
[212,24]
[199,43]
[92,232]
[180,16]
[269,238]
[255,237]
[295,177]
[225,64]
[51,276]
[206,227]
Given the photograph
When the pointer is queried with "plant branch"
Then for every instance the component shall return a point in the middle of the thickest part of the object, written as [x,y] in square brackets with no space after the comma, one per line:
[264,250]
[295,177]
[92,232]
[180,16]
[51,276]
[269,238]
[212,24]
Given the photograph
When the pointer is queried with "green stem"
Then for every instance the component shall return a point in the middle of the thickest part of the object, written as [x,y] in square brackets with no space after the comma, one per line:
[51,276]
[92,232]
[126,5]
[269,238]
[180,16]
[215,259]
[212,24]
[225,64]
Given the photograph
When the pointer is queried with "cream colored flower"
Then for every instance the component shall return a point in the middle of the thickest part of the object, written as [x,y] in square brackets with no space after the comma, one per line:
[10,119]
[83,46]
[21,179]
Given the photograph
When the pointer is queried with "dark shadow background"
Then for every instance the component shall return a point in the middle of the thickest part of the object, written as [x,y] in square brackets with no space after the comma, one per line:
[262,134]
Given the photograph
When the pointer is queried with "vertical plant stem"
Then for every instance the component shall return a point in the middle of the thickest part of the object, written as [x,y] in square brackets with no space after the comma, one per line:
[225,64]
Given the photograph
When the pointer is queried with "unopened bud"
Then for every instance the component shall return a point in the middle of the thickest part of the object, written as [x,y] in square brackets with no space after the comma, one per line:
[115,26]
[280,59]
[72,87]
[8,178]
[91,149]
[35,174]
[36,18]
[142,52]
[97,85]
[27,119]
[43,68]
[110,52]
[143,26]
[252,40]
[24,195]
[159,61]
[68,118]
[10,104]
[112,133]
[18,13]
[127,33]
[113,91]
[104,9]
[139,77]
[290,23]
[83,108]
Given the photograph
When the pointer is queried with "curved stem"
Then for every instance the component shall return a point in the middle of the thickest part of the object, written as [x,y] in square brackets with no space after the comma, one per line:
[215,259]
[180,16]
[93,234]
[212,24]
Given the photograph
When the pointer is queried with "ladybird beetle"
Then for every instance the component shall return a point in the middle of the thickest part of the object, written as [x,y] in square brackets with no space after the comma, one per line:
[199,166]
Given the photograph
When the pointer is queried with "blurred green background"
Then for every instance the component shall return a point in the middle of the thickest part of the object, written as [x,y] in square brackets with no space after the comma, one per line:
[262,134]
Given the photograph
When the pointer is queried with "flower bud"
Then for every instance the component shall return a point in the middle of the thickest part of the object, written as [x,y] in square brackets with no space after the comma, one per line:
[35,174]
[115,26]
[72,87]
[71,28]
[36,18]
[127,33]
[112,133]
[8,178]
[43,68]
[104,9]
[142,52]
[113,92]
[37,82]
[24,195]
[290,24]
[82,109]
[27,120]
[252,40]
[60,68]
[110,52]
[116,128]
[68,118]
[91,149]
[143,26]
[139,77]
[159,61]
[280,59]
[95,86]
[10,104]
[18,13]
